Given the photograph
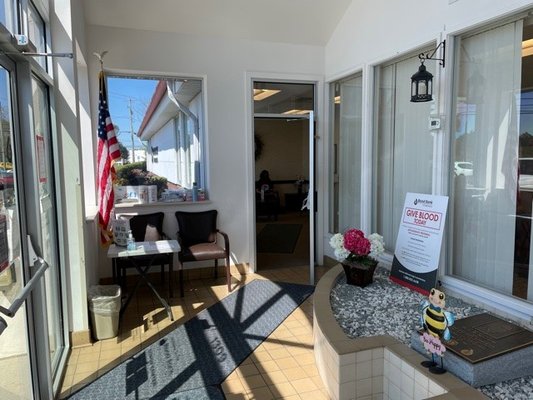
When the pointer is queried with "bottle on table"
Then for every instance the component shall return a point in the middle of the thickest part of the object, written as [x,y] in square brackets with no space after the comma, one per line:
[194,192]
[131,242]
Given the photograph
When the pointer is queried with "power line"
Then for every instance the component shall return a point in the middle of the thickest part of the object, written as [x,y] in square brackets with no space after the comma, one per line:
[132,134]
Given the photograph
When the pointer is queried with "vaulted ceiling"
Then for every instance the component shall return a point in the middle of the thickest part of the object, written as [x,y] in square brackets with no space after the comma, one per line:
[284,21]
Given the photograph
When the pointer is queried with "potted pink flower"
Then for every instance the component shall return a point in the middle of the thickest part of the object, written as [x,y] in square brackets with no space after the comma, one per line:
[358,254]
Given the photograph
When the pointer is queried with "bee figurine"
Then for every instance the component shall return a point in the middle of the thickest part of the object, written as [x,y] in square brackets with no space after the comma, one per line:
[436,322]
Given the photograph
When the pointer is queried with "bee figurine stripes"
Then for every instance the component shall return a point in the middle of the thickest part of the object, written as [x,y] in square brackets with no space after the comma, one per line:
[435,322]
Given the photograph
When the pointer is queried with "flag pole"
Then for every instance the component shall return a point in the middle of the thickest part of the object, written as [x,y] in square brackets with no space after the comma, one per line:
[108,151]
[100,57]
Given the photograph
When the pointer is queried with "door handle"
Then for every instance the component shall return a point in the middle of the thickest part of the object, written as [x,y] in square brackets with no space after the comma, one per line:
[41,266]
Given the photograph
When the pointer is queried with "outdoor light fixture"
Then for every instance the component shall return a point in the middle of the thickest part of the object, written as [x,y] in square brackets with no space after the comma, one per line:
[422,81]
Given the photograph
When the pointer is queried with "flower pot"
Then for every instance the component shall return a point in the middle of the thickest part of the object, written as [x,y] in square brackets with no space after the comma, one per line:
[358,274]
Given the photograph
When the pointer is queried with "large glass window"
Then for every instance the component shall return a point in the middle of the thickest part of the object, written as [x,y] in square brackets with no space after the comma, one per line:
[492,159]
[346,96]
[8,15]
[37,32]
[159,124]
[403,146]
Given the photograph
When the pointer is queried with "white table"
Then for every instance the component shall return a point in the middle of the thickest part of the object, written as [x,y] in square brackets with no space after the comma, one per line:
[143,249]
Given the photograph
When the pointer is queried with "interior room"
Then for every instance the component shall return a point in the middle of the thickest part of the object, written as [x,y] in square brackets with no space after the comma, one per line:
[288,243]
[281,144]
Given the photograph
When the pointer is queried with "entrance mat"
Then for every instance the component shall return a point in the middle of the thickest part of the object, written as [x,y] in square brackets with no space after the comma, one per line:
[278,238]
[195,358]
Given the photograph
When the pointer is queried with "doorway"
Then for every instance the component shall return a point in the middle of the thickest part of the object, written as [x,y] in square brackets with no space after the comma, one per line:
[33,344]
[283,172]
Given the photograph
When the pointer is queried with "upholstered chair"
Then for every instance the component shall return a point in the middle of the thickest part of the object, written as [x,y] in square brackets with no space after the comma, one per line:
[200,240]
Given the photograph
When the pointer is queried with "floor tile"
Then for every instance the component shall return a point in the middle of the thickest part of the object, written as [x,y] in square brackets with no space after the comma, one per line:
[282,367]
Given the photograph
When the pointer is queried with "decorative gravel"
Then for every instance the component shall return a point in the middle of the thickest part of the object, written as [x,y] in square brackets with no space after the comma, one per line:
[387,308]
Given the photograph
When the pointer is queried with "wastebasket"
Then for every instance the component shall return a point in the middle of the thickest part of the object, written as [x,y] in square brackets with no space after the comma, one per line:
[104,307]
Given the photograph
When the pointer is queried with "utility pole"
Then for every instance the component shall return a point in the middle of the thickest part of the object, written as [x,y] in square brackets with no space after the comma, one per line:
[131,130]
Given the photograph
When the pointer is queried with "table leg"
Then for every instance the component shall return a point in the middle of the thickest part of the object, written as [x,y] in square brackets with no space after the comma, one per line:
[143,277]
[114,267]
[170,275]
[181,281]
[163,301]
[137,284]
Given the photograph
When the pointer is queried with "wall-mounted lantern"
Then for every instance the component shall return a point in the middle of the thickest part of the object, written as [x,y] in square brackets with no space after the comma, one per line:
[422,80]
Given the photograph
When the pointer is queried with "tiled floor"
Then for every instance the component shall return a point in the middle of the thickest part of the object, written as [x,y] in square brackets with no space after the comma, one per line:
[282,367]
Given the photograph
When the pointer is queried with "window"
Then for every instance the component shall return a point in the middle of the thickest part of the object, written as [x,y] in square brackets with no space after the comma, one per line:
[37,33]
[155,151]
[403,146]
[346,103]
[159,123]
[492,152]
[9,15]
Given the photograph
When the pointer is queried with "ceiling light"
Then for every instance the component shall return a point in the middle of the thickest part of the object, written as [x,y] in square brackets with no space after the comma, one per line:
[261,94]
[527,47]
[297,112]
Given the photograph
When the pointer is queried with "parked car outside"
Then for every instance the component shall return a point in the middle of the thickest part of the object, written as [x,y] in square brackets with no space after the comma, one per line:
[6,179]
[464,168]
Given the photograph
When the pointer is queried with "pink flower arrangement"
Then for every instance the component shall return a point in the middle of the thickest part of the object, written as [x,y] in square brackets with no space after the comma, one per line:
[355,242]
[353,245]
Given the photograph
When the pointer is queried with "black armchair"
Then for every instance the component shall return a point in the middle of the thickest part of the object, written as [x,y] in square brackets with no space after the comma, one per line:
[198,237]
[145,227]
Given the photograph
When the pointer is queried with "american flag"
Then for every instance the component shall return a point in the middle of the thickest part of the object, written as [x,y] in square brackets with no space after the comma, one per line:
[108,152]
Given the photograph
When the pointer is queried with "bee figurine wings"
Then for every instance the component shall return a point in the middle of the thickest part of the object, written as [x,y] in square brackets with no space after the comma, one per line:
[434,319]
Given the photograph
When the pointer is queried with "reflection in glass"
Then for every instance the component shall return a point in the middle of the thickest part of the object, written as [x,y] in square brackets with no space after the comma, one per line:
[8,14]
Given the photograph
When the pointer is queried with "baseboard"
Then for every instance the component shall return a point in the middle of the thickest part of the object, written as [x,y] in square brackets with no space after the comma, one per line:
[80,338]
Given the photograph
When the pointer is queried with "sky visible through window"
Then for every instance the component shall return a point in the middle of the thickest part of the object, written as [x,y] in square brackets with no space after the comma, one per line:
[123,92]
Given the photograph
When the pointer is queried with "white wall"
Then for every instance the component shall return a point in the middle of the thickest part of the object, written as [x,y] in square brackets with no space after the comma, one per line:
[70,97]
[165,141]
[371,34]
[225,65]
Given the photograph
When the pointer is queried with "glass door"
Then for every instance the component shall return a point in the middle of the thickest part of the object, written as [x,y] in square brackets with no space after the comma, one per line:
[15,360]
[283,126]
[46,233]
[32,331]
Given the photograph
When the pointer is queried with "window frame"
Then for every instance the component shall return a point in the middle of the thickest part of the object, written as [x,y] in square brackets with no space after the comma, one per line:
[203,169]
[335,167]
[374,129]
[490,299]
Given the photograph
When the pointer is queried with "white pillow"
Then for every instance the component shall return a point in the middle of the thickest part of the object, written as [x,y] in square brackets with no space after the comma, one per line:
[151,234]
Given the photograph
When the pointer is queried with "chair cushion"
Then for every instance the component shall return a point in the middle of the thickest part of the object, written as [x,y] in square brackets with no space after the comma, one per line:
[151,234]
[197,227]
[202,251]
[147,227]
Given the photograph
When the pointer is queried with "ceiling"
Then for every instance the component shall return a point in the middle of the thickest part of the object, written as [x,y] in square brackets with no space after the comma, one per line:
[295,21]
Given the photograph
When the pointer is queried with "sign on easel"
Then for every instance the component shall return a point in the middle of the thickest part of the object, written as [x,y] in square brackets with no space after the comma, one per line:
[419,242]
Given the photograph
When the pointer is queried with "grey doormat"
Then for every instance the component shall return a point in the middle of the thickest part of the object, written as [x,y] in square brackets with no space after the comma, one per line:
[195,358]
[278,238]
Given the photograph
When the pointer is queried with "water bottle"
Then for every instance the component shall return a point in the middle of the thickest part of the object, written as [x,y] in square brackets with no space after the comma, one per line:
[131,242]
[194,192]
